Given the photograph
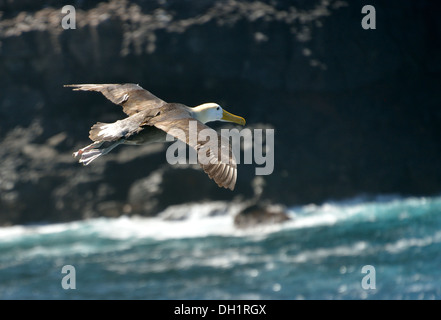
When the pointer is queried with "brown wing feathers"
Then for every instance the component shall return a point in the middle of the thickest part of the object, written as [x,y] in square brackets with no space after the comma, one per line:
[131,97]
[221,166]
[144,108]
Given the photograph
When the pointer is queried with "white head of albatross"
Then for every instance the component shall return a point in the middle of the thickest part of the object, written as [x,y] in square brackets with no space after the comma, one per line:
[208,112]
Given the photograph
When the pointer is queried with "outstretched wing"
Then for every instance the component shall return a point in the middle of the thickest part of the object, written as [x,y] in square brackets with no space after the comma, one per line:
[120,129]
[130,96]
[215,154]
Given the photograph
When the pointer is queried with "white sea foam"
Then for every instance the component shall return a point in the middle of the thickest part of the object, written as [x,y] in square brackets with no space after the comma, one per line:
[404,244]
[318,253]
[216,219]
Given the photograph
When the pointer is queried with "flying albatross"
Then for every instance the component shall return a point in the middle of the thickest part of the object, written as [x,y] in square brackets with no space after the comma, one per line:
[150,119]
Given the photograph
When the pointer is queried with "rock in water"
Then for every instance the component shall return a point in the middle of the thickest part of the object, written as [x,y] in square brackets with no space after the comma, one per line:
[260,214]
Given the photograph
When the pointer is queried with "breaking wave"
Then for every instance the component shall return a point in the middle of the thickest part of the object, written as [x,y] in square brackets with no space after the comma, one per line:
[193,251]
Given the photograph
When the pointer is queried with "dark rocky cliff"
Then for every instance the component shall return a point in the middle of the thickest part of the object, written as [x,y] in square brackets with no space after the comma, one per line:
[354,111]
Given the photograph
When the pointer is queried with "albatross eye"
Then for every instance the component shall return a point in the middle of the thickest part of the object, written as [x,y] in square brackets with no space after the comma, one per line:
[217,108]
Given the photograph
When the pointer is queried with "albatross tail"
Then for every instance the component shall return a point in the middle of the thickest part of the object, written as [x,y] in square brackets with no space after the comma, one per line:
[94,150]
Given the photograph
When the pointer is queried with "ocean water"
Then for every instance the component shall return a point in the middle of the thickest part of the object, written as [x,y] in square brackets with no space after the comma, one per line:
[320,254]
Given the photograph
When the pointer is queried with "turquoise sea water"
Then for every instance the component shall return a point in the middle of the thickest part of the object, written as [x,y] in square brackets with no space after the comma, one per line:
[319,254]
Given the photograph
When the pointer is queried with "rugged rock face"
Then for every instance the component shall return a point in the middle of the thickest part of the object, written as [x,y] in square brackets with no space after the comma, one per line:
[354,110]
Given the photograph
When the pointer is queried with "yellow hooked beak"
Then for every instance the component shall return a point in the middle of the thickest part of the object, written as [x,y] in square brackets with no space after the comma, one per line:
[226,116]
